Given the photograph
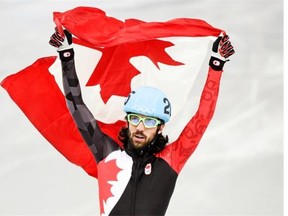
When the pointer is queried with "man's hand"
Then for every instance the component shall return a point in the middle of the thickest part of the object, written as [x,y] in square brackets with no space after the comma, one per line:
[61,42]
[64,45]
[222,50]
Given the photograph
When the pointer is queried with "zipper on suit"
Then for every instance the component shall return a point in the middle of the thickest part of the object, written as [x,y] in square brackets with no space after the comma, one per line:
[137,162]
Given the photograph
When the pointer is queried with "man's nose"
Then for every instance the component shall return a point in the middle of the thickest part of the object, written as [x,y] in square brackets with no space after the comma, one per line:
[140,126]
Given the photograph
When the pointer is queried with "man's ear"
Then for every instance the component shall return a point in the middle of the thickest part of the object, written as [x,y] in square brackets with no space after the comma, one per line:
[126,120]
[161,128]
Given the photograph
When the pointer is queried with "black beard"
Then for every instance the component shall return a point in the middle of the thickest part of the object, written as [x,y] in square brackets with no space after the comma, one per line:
[157,145]
[135,134]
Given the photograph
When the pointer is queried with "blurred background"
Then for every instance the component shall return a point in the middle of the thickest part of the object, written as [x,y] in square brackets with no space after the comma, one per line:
[237,168]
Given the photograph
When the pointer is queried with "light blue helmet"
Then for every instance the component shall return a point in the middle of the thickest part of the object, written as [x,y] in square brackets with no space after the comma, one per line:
[148,101]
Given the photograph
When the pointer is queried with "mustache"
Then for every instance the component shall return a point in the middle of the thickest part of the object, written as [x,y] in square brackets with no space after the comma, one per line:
[139,133]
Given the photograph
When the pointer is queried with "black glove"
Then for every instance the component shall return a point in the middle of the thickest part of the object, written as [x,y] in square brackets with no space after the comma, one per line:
[63,43]
[222,50]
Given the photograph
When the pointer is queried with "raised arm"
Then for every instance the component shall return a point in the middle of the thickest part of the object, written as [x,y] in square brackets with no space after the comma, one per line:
[178,152]
[100,144]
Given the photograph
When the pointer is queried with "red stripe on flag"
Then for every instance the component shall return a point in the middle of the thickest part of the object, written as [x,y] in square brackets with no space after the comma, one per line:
[36,93]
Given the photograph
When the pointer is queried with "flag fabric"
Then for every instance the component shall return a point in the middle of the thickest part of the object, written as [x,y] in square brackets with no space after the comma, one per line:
[112,58]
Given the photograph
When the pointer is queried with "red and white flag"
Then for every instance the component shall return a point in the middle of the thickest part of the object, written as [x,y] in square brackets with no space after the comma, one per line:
[112,58]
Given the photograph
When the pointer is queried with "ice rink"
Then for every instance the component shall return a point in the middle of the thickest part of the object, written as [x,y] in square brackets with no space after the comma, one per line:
[237,170]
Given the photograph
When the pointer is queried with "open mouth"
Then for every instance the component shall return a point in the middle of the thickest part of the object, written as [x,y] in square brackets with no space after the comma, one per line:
[139,136]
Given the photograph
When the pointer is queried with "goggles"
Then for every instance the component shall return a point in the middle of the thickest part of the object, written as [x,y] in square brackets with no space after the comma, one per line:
[149,122]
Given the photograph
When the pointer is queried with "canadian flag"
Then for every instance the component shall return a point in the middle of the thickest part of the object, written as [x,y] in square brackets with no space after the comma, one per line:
[112,58]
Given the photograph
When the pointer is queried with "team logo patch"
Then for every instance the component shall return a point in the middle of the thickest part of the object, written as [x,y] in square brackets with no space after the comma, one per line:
[148,169]
[215,62]
[67,54]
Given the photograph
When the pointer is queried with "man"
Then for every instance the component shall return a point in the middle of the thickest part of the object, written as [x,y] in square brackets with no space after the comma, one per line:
[145,169]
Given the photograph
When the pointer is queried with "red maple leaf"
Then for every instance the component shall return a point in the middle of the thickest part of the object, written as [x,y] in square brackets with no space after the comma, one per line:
[114,70]
[109,171]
